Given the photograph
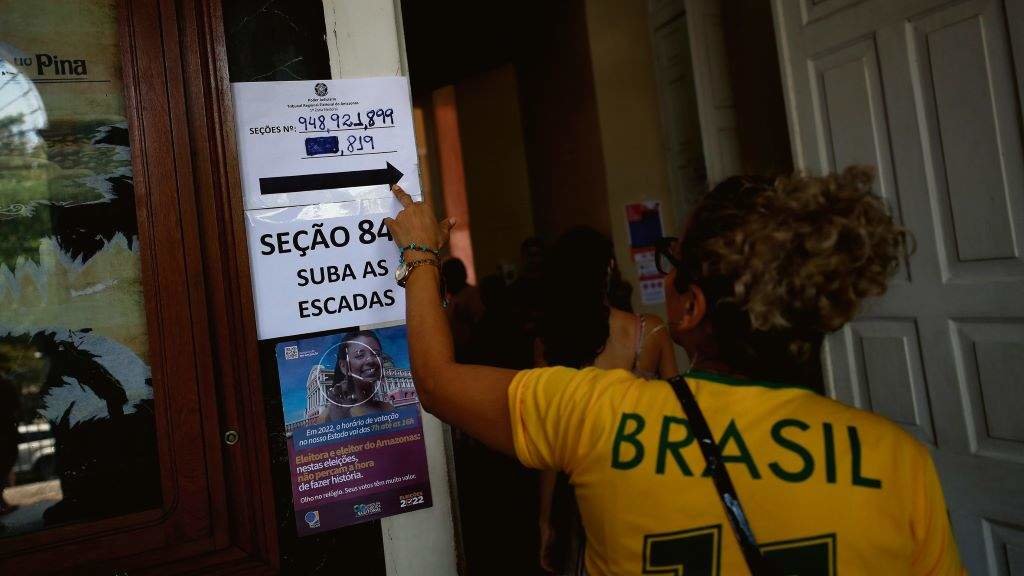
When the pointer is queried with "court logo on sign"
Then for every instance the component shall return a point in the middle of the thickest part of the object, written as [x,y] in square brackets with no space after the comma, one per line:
[367,509]
[320,89]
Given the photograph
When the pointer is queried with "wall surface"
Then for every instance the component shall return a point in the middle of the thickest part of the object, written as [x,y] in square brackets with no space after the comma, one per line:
[494,161]
[560,126]
[627,109]
[453,177]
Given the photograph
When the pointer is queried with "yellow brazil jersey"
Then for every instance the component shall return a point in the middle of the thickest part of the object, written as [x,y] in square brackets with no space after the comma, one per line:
[828,489]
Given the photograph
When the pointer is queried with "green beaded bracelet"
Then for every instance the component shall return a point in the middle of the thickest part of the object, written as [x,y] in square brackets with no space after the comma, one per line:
[417,248]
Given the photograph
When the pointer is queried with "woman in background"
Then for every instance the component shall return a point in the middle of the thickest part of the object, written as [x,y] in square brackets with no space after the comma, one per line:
[465,307]
[580,328]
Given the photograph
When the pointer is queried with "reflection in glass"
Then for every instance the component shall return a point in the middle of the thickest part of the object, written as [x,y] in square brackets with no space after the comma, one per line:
[77,424]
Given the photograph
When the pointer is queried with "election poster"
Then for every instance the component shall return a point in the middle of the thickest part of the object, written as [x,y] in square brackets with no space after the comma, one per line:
[644,224]
[652,282]
[354,429]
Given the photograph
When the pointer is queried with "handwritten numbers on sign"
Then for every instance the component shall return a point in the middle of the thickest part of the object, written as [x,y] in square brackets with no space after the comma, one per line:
[314,123]
[374,118]
[359,143]
[314,131]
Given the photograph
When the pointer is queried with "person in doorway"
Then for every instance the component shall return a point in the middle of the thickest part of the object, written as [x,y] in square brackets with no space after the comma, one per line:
[578,328]
[465,307]
[526,293]
[358,369]
[497,340]
[763,271]
[482,472]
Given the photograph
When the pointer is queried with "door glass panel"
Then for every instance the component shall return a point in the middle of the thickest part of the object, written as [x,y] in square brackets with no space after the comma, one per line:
[77,425]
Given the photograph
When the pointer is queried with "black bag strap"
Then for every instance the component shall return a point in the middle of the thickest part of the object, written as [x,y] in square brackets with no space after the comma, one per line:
[726,491]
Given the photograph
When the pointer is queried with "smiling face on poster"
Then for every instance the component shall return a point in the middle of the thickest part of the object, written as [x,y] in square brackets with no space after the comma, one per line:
[307,142]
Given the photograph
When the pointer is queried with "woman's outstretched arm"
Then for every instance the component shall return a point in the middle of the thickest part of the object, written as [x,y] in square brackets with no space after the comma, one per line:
[473,398]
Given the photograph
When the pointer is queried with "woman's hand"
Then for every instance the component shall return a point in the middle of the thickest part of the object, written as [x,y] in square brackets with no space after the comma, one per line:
[415,224]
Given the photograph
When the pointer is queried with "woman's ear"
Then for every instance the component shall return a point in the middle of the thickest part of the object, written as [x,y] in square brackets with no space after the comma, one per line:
[694,307]
[686,308]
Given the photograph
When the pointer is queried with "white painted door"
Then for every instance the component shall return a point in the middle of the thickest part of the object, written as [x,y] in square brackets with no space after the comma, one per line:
[698,113]
[930,92]
[680,120]
[714,89]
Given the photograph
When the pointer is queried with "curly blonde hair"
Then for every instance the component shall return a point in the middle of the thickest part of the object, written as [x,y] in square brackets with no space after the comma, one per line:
[784,262]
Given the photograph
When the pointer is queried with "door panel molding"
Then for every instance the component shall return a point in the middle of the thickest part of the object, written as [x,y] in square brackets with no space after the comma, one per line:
[814,10]
[1004,546]
[970,131]
[851,120]
[989,355]
[887,374]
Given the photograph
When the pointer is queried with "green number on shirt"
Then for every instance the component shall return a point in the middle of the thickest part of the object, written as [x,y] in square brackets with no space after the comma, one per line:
[814,556]
[698,552]
[693,552]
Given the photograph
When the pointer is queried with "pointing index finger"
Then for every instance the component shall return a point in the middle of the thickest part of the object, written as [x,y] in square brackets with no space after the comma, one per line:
[403,197]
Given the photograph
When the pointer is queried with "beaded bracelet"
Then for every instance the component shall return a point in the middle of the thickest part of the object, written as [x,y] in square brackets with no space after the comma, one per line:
[418,248]
[410,266]
[405,270]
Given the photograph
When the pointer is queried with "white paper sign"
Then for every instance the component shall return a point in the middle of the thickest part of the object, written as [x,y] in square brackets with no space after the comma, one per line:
[323,267]
[308,142]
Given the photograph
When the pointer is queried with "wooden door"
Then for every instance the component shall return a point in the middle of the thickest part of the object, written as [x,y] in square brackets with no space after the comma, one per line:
[157,424]
[930,92]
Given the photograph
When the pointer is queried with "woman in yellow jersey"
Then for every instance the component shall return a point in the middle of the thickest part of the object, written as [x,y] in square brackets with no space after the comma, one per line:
[764,270]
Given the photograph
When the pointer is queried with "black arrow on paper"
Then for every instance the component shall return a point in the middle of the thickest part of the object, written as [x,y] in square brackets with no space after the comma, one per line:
[326,181]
